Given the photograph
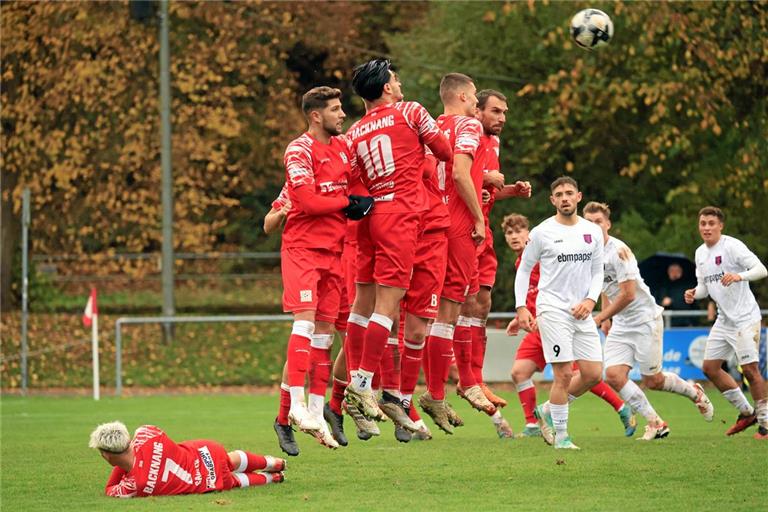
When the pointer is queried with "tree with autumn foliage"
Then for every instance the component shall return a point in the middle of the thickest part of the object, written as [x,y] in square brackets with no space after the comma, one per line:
[80,122]
[670,117]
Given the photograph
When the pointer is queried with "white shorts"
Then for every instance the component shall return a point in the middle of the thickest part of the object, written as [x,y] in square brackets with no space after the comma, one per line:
[724,340]
[641,344]
[566,339]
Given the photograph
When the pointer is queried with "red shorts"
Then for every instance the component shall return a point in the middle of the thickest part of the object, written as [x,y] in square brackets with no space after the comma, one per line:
[487,263]
[386,248]
[423,295]
[530,348]
[462,263]
[312,281]
[220,479]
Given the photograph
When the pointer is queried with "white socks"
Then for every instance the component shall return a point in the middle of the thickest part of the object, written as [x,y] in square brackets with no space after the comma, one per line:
[634,396]
[316,404]
[739,401]
[362,380]
[559,420]
[761,406]
[674,384]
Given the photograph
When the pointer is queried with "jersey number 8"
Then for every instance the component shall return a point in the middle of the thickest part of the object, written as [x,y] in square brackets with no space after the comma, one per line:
[377,157]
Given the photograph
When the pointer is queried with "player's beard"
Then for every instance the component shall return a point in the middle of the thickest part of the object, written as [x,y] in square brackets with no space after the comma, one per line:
[333,129]
[570,212]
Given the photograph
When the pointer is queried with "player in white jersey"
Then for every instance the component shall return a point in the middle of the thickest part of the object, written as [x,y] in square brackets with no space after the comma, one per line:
[634,325]
[569,250]
[724,267]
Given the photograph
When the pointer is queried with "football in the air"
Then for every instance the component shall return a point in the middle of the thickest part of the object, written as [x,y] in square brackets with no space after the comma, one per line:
[591,28]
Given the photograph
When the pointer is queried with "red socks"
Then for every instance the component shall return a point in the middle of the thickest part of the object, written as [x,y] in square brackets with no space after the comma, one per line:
[479,340]
[319,370]
[298,352]
[605,392]
[285,405]
[410,364]
[527,400]
[337,395]
[462,348]
[375,341]
[353,344]
[390,366]
[439,352]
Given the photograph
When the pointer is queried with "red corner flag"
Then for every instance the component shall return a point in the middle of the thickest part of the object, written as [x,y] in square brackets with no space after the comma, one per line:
[91,309]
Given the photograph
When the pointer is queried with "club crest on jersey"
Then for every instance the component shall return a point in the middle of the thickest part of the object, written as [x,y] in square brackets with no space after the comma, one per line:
[718,260]
[344,157]
[305,295]
[588,238]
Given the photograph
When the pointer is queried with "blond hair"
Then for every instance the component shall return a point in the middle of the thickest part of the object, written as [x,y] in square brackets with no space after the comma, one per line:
[595,207]
[110,437]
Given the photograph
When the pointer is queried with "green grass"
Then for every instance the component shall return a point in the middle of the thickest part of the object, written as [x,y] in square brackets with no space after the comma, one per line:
[46,464]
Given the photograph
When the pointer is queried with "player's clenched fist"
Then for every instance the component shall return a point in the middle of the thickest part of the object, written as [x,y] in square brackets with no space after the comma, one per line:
[525,319]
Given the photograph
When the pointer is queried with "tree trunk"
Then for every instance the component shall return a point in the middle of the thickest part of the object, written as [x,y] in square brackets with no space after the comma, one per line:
[10,236]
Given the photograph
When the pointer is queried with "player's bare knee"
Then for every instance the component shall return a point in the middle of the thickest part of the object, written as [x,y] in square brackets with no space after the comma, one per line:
[752,372]
[655,382]
[712,368]
[614,377]
[520,374]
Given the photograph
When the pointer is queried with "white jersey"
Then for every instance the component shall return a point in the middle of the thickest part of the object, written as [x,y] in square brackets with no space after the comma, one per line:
[641,310]
[735,303]
[571,259]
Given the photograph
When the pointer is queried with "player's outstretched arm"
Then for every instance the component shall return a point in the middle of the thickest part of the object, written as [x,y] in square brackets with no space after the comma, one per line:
[312,203]
[516,189]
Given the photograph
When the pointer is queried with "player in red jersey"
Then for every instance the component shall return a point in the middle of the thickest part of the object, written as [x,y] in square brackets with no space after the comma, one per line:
[404,354]
[151,464]
[318,170]
[332,413]
[460,180]
[530,353]
[491,112]
[389,142]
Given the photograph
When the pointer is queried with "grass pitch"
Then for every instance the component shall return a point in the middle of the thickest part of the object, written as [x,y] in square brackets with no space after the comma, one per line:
[46,464]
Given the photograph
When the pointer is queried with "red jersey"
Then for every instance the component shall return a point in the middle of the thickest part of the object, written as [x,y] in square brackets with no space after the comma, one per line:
[162,467]
[464,135]
[533,286]
[389,144]
[436,218]
[326,168]
[282,198]
[490,146]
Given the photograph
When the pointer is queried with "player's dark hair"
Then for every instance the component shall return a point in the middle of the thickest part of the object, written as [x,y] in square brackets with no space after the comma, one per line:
[482,97]
[563,180]
[595,207]
[451,83]
[369,79]
[317,98]
[514,220]
[713,211]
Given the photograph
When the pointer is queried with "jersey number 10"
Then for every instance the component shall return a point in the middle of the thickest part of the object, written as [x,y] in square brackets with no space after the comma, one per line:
[377,157]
